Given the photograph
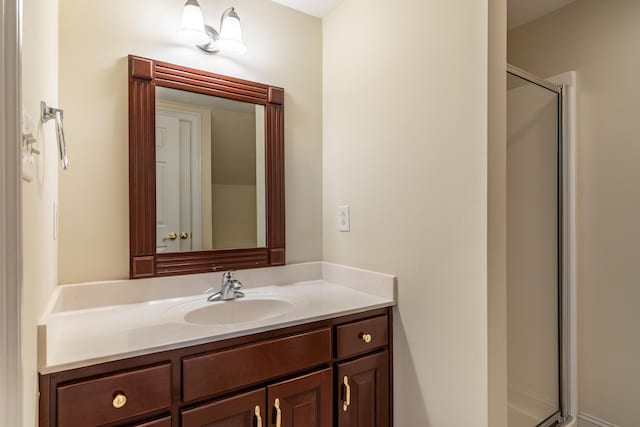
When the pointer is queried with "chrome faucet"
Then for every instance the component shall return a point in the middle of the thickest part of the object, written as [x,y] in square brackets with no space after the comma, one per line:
[230,288]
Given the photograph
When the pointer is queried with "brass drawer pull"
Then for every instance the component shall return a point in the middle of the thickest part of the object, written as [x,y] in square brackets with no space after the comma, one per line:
[347,394]
[119,400]
[278,414]
[366,338]
[258,417]
[184,235]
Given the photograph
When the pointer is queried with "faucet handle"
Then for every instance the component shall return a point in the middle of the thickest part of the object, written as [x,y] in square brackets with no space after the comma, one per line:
[228,275]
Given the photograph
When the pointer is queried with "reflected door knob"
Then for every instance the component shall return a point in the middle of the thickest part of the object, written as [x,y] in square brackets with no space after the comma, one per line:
[170,236]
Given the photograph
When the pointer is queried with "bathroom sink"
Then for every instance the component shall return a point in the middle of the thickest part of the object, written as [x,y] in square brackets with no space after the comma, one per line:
[241,310]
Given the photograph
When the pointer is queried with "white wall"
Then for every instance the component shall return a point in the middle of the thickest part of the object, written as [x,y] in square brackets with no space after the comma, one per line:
[40,251]
[600,41]
[284,49]
[405,145]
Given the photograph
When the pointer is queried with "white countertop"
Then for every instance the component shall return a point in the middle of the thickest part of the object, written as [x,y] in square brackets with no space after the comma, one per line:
[90,323]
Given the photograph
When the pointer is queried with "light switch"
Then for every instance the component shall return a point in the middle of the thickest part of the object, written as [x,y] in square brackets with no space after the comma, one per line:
[28,164]
[344,220]
[28,149]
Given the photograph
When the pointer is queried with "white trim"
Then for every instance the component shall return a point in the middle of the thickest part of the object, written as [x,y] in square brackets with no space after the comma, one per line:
[586,420]
[10,214]
[569,82]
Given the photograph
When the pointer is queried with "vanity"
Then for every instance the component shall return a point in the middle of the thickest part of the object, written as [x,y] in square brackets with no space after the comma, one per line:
[315,352]
[303,345]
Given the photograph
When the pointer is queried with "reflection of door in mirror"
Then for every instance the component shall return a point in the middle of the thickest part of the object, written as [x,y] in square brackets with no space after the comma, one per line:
[210,173]
[178,183]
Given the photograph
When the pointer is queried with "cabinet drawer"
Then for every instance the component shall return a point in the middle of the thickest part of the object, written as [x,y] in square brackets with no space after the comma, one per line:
[162,422]
[362,337]
[93,402]
[214,373]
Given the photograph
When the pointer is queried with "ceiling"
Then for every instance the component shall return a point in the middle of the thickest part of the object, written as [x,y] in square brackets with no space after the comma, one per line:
[521,12]
[319,8]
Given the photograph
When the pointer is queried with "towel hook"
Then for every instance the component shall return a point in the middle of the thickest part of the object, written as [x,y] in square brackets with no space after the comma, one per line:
[47,113]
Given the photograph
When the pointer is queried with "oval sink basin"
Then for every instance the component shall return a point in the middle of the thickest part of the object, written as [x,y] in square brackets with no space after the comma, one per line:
[238,311]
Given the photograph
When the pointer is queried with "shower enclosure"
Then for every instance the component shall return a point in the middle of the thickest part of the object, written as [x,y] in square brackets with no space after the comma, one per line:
[536,329]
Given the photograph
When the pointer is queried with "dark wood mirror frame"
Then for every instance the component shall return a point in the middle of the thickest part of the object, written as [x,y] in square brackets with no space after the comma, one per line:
[144,75]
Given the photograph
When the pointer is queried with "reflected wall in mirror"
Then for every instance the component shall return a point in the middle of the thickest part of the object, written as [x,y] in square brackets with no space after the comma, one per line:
[210,172]
[206,171]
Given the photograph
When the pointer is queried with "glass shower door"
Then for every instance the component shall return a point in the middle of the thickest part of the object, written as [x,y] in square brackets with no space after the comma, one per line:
[533,251]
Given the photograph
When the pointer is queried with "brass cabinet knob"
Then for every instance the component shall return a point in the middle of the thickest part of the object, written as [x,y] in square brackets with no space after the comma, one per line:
[184,235]
[366,338]
[119,400]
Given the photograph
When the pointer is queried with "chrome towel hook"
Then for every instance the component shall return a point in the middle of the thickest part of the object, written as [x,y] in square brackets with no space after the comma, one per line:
[48,113]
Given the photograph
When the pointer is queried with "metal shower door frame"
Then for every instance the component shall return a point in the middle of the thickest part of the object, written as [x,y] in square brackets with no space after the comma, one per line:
[561,415]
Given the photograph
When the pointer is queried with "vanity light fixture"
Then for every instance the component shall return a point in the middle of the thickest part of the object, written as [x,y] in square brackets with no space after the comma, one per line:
[208,39]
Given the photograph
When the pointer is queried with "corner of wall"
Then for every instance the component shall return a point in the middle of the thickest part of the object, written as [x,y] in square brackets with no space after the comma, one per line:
[40,249]
[497,214]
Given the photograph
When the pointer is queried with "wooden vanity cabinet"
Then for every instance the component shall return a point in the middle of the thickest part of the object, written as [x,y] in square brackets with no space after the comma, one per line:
[363,377]
[305,401]
[329,373]
[253,363]
[244,410]
[163,422]
[115,397]
[364,392]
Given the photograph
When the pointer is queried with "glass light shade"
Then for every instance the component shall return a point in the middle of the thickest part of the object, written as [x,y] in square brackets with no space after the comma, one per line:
[192,25]
[231,35]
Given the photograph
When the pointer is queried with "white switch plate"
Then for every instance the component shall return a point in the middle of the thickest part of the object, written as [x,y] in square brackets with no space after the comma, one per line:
[28,158]
[28,164]
[344,218]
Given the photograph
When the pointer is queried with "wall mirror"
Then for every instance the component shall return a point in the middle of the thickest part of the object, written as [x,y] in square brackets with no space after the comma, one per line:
[206,155]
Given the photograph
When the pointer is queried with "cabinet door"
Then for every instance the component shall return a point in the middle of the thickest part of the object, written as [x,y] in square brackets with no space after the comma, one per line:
[363,386]
[304,401]
[245,410]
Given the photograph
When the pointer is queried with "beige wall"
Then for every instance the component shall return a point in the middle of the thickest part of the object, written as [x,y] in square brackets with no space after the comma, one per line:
[234,179]
[234,216]
[497,214]
[285,49]
[599,40]
[405,145]
[40,250]
[233,136]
